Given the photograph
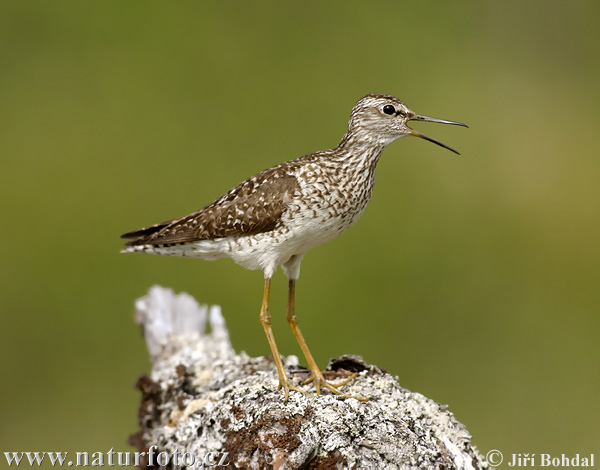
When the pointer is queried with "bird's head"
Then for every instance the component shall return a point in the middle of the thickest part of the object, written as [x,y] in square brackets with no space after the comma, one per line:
[384,118]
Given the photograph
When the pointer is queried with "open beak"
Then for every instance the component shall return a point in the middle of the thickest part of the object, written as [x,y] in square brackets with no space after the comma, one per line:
[418,117]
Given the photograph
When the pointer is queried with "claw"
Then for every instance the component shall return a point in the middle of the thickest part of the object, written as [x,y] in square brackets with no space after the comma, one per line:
[319,380]
[285,384]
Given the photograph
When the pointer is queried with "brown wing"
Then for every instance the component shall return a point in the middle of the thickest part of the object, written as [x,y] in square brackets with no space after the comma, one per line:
[252,207]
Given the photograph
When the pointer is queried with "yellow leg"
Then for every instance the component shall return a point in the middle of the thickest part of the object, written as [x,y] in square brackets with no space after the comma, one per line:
[265,320]
[317,375]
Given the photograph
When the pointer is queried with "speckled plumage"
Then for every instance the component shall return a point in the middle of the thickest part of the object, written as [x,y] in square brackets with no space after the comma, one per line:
[275,217]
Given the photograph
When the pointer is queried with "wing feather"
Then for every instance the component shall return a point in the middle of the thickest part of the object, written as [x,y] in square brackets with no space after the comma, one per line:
[252,207]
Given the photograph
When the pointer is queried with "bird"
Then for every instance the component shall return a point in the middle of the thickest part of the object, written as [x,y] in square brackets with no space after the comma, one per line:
[275,217]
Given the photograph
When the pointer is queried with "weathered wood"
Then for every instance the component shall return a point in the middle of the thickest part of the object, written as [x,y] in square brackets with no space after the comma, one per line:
[205,402]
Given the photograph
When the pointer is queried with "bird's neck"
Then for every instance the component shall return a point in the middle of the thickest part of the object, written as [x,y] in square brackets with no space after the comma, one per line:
[360,152]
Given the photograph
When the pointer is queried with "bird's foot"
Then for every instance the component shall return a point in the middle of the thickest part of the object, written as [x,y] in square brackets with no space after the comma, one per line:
[287,386]
[320,382]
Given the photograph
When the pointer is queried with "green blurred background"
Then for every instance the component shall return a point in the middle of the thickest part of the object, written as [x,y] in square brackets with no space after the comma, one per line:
[475,279]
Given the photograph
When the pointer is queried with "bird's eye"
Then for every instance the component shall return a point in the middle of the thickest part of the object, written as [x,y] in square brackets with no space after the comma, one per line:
[389,109]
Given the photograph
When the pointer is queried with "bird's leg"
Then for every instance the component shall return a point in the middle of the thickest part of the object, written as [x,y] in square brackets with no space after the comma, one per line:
[317,375]
[265,320]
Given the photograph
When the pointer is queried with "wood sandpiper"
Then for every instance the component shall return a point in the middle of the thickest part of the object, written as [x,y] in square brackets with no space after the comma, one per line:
[275,217]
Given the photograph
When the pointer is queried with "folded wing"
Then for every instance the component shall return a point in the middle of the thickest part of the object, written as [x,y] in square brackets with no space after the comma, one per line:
[252,207]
